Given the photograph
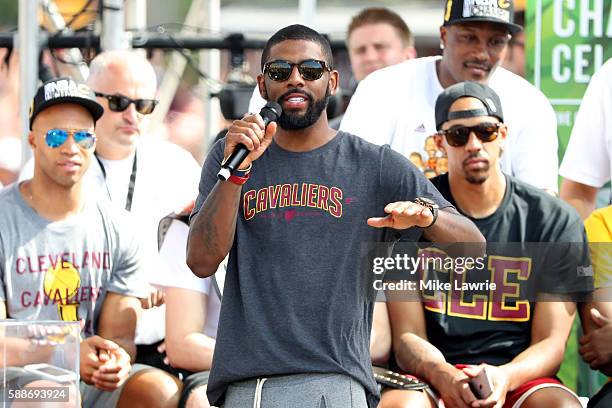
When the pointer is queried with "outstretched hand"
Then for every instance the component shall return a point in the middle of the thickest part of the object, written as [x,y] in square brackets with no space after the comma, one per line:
[403,215]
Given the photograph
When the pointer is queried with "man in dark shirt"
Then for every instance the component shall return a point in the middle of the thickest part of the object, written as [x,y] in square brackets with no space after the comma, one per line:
[517,342]
[294,326]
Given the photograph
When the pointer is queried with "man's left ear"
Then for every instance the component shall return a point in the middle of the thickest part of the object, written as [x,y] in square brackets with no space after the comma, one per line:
[333,82]
[261,84]
[31,141]
[503,133]
[409,53]
[439,144]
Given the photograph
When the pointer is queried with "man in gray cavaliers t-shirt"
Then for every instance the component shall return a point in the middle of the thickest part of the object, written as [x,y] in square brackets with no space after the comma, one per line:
[295,322]
[63,270]
[66,257]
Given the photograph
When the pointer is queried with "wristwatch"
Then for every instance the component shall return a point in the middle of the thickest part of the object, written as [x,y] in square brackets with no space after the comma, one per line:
[433,207]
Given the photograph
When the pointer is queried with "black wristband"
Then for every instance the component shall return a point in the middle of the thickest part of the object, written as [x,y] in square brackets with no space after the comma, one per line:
[433,207]
[434,212]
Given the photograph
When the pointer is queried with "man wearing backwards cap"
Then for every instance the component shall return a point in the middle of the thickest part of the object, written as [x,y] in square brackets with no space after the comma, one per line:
[520,347]
[66,256]
[474,38]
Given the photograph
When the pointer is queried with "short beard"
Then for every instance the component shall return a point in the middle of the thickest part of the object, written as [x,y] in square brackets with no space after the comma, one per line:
[290,121]
[477,177]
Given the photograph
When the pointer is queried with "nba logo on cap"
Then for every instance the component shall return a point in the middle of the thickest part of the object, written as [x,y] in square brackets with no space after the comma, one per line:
[491,11]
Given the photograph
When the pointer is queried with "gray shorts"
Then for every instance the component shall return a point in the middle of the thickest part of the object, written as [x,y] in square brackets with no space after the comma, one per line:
[297,391]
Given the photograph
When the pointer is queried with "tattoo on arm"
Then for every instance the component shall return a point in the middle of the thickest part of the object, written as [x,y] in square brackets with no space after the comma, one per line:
[209,221]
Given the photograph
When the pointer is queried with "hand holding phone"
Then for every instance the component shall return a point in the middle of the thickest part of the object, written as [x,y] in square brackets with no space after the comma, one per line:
[481,385]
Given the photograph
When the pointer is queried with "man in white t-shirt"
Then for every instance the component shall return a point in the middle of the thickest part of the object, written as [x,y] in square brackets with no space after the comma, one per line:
[148,177]
[587,164]
[395,105]
[190,338]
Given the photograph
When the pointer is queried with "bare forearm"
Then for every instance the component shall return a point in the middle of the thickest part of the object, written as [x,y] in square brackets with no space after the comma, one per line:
[542,359]
[19,352]
[212,230]
[380,338]
[417,356]
[453,227]
[580,196]
[193,352]
[118,321]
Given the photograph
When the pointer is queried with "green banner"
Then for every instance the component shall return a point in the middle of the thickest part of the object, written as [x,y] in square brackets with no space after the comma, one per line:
[566,41]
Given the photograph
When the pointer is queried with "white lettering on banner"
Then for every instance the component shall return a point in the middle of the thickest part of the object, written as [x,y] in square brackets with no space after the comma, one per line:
[558,27]
[595,15]
[584,56]
[564,118]
[582,61]
[560,74]
[591,20]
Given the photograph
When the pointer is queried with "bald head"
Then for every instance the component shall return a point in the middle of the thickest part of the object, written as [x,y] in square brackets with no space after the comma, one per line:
[127,65]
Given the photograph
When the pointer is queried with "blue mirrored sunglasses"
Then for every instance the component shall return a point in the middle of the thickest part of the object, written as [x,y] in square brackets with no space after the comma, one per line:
[57,137]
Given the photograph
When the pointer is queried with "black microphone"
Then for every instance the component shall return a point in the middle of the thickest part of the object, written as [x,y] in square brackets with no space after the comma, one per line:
[270,113]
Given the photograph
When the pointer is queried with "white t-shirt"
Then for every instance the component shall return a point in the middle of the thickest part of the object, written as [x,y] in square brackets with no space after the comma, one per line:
[256,102]
[587,159]
[178,275]
[116,172]
[396,106]
[167,179]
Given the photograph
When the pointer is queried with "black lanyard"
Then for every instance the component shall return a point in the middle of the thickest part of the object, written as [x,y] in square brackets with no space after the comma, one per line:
[130,193]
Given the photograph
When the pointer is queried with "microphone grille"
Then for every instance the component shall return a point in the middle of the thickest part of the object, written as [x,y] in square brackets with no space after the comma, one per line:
[273,110]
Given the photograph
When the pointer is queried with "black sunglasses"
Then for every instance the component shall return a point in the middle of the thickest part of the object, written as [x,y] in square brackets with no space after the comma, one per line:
[458,136]
[119,103]
[310,69]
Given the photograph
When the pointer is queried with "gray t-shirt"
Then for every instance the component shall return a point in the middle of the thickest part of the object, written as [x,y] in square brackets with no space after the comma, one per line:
[293,299]
[62,270]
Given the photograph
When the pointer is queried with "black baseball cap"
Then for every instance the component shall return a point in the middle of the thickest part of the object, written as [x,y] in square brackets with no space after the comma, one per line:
[64,90]
[492,11]
[482,92]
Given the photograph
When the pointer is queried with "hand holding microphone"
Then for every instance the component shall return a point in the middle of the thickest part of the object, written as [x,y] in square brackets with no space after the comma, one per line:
[248,138]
